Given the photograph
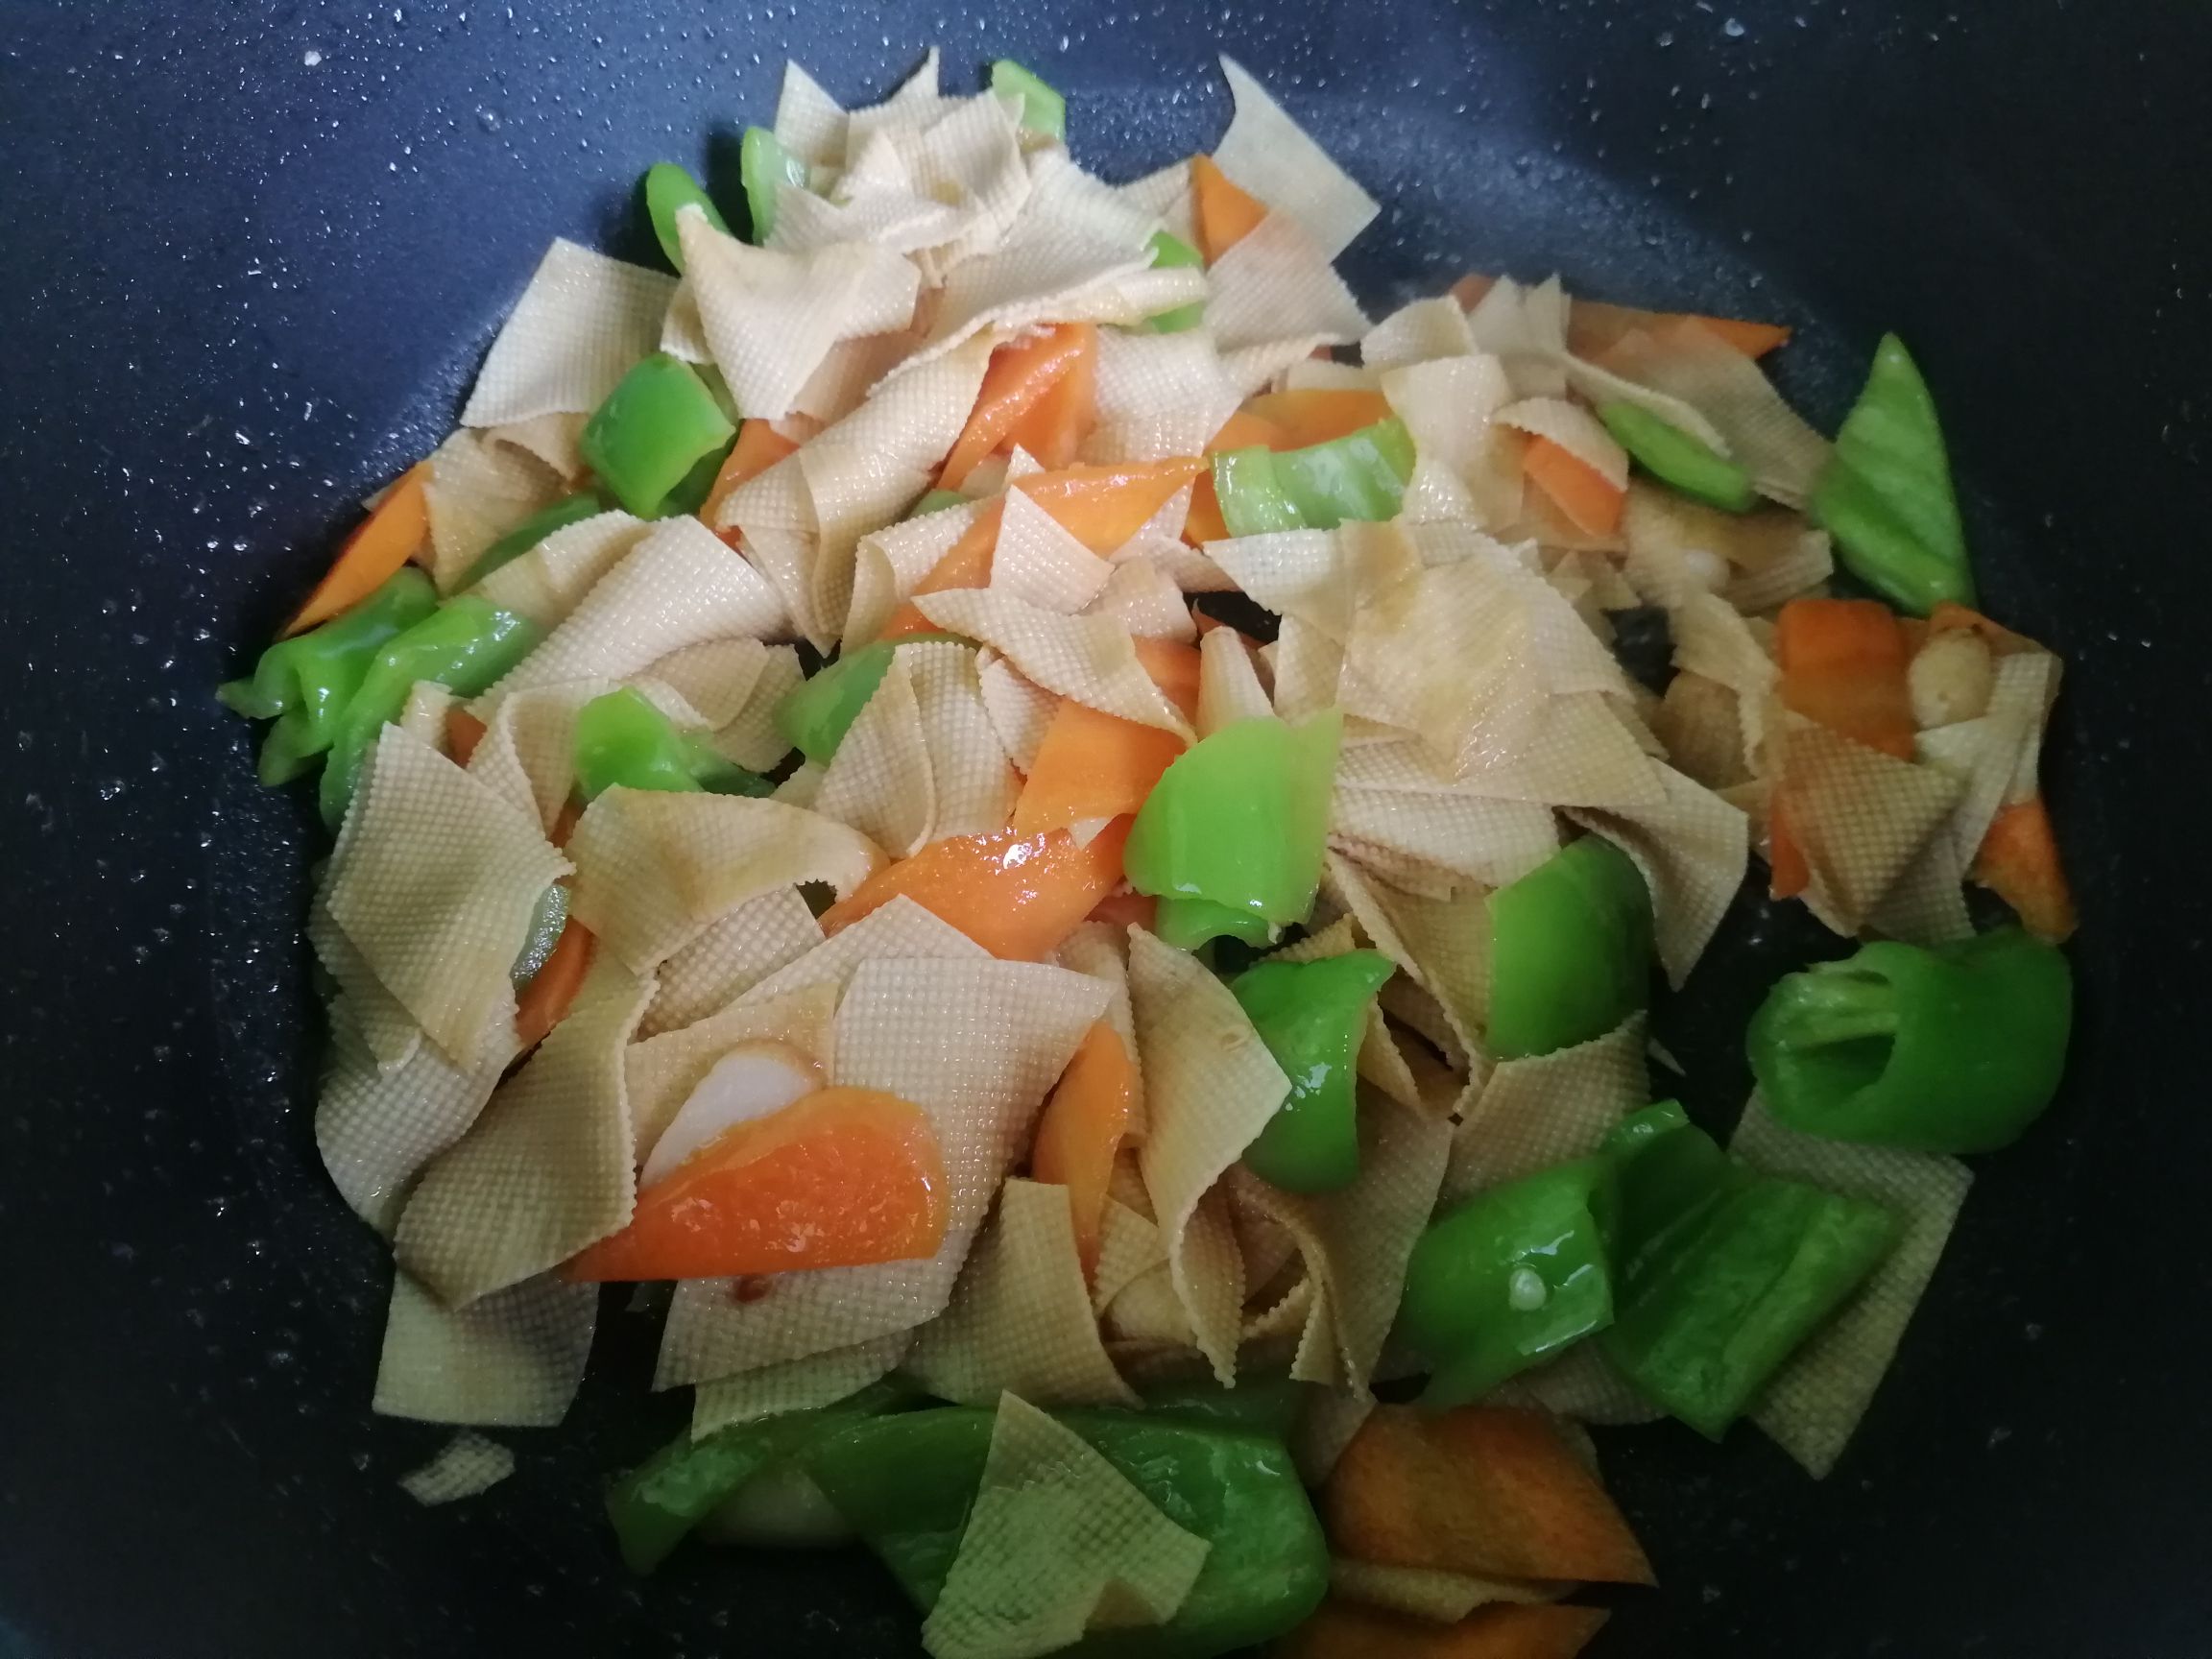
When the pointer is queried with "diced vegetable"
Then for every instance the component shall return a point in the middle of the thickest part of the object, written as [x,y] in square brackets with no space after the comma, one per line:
[1231,839]
[1578,488]
[1845,664]
[844,1178]
[466,644]
[2019,862]
[1017,895]
[1954,1049]
[1680,460]
[622,740]
[668,189]
[1018,383]
[1951,677]
[545,1001]
[654,435]
[1082,1128]
[1886,494]
[394,532]
[905,1482]
[1312,1016]
[1171,252]
[814,715]
[1570,950]
[1043,108]
[759,447]
[568,510]
[1360,477]
[765,166]
[656,1504]
[1510,1278]
[1225,214]
[1092,766]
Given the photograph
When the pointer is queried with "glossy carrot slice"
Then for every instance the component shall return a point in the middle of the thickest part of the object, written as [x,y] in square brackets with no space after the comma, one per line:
[1315,417]
[1055,427]
[544,1001]
[1578,488]
[463,732]
[1090,766]
[1017,895]
[2019,862]
[394,532]
[1845,664]
[759,447]
[1225,214]
[1019,378]
[1081,1130]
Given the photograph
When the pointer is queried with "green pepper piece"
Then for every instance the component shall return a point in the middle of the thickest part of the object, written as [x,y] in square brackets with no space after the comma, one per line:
[1170,252]
[765,166]
[546,923]
[1240,820]
[1312,1016]
[1508,1280]
[906,1485]
[652,436]
[1885,496]
[1954,1049]
[622,740]
[568,510]
[668,188]
[780,1509]
[1043,108]
[1360,477]
[658,1502]
[1570,950]
[815,714]
[1710,1309]
[1665,1170]
[305,683]
[1680,460]
[937,501]
[1188,924]
[1260,1406]
[466,644]
[1250,491]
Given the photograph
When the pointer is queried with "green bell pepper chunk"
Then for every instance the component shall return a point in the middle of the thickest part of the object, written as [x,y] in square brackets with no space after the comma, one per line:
[1239,821]
[656,1504]
[546,923]
[658,439]
[1188,924]
[305,683]
[1312,1016]
[765,166]
[1886,496]
[1708,1308]
[815,714]
[1570,950]
[1954,1049]
[1361,475]
[1666,1169]
[1509,1279]
[937,501]
[1043,108]
[1171,252]
[1680,460]
[667,188]
[466,644]
[622,740]
[568,510]
[1258,1405]
[906,1483]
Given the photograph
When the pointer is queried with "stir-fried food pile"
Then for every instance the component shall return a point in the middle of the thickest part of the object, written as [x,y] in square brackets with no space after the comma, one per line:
[1071,837]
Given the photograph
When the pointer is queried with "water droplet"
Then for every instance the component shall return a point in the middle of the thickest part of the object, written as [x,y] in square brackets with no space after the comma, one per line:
[109,788]
[311,58]
[1733,28]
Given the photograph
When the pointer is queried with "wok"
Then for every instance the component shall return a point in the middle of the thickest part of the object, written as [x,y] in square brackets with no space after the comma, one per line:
[255,251]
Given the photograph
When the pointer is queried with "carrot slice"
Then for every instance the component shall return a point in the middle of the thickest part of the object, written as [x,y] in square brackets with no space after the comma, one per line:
[392,534]
[842,1178]
[1505,1630]
[1017,895]
[1225,214]
[1843,664]
[1081,1129]
[759,447]
[1593,326]
[1103,506]
[1174,668]
[2019,862]
[1578,488]
[1019,376]
[1055,425]
[463,732]
[1787,872]
[1126,909]
[545,1001]
[1481,1490]
[1315,417]
[1090,766]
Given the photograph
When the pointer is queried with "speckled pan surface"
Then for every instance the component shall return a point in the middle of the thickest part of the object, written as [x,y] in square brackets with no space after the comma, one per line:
[254,252]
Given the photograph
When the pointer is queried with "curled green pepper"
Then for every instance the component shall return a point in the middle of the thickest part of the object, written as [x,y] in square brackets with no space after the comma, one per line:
[1043,108]
[1679,459]
[1231,838]
[1954,1049]
[622,740]
[658,438]
[1171,252]
[668,189]
[1569,952]
[765,166]
[1312,1016]
[815,714]
[1361,475]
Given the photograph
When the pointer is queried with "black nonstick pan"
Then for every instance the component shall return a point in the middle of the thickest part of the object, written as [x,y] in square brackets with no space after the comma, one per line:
[253,250]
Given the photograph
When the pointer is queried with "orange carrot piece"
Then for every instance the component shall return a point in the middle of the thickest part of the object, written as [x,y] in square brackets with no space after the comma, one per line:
[393,533]
[1021,374]
[1593,325]
[1482,1490]
[1103,505]
[1053,427]
[1471,288]
[840,1178]
[1843,664]
[1315,417]
[564,821]
[1788,873]
[1578,488]
[1017,895]
[1174,668]
[1090,766]
[2019,862]
[545,1001]
[463,732]
[1081,1129]
[1503,1631]
[759,447]
[1126,909]
[967,564]
[1225,214]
